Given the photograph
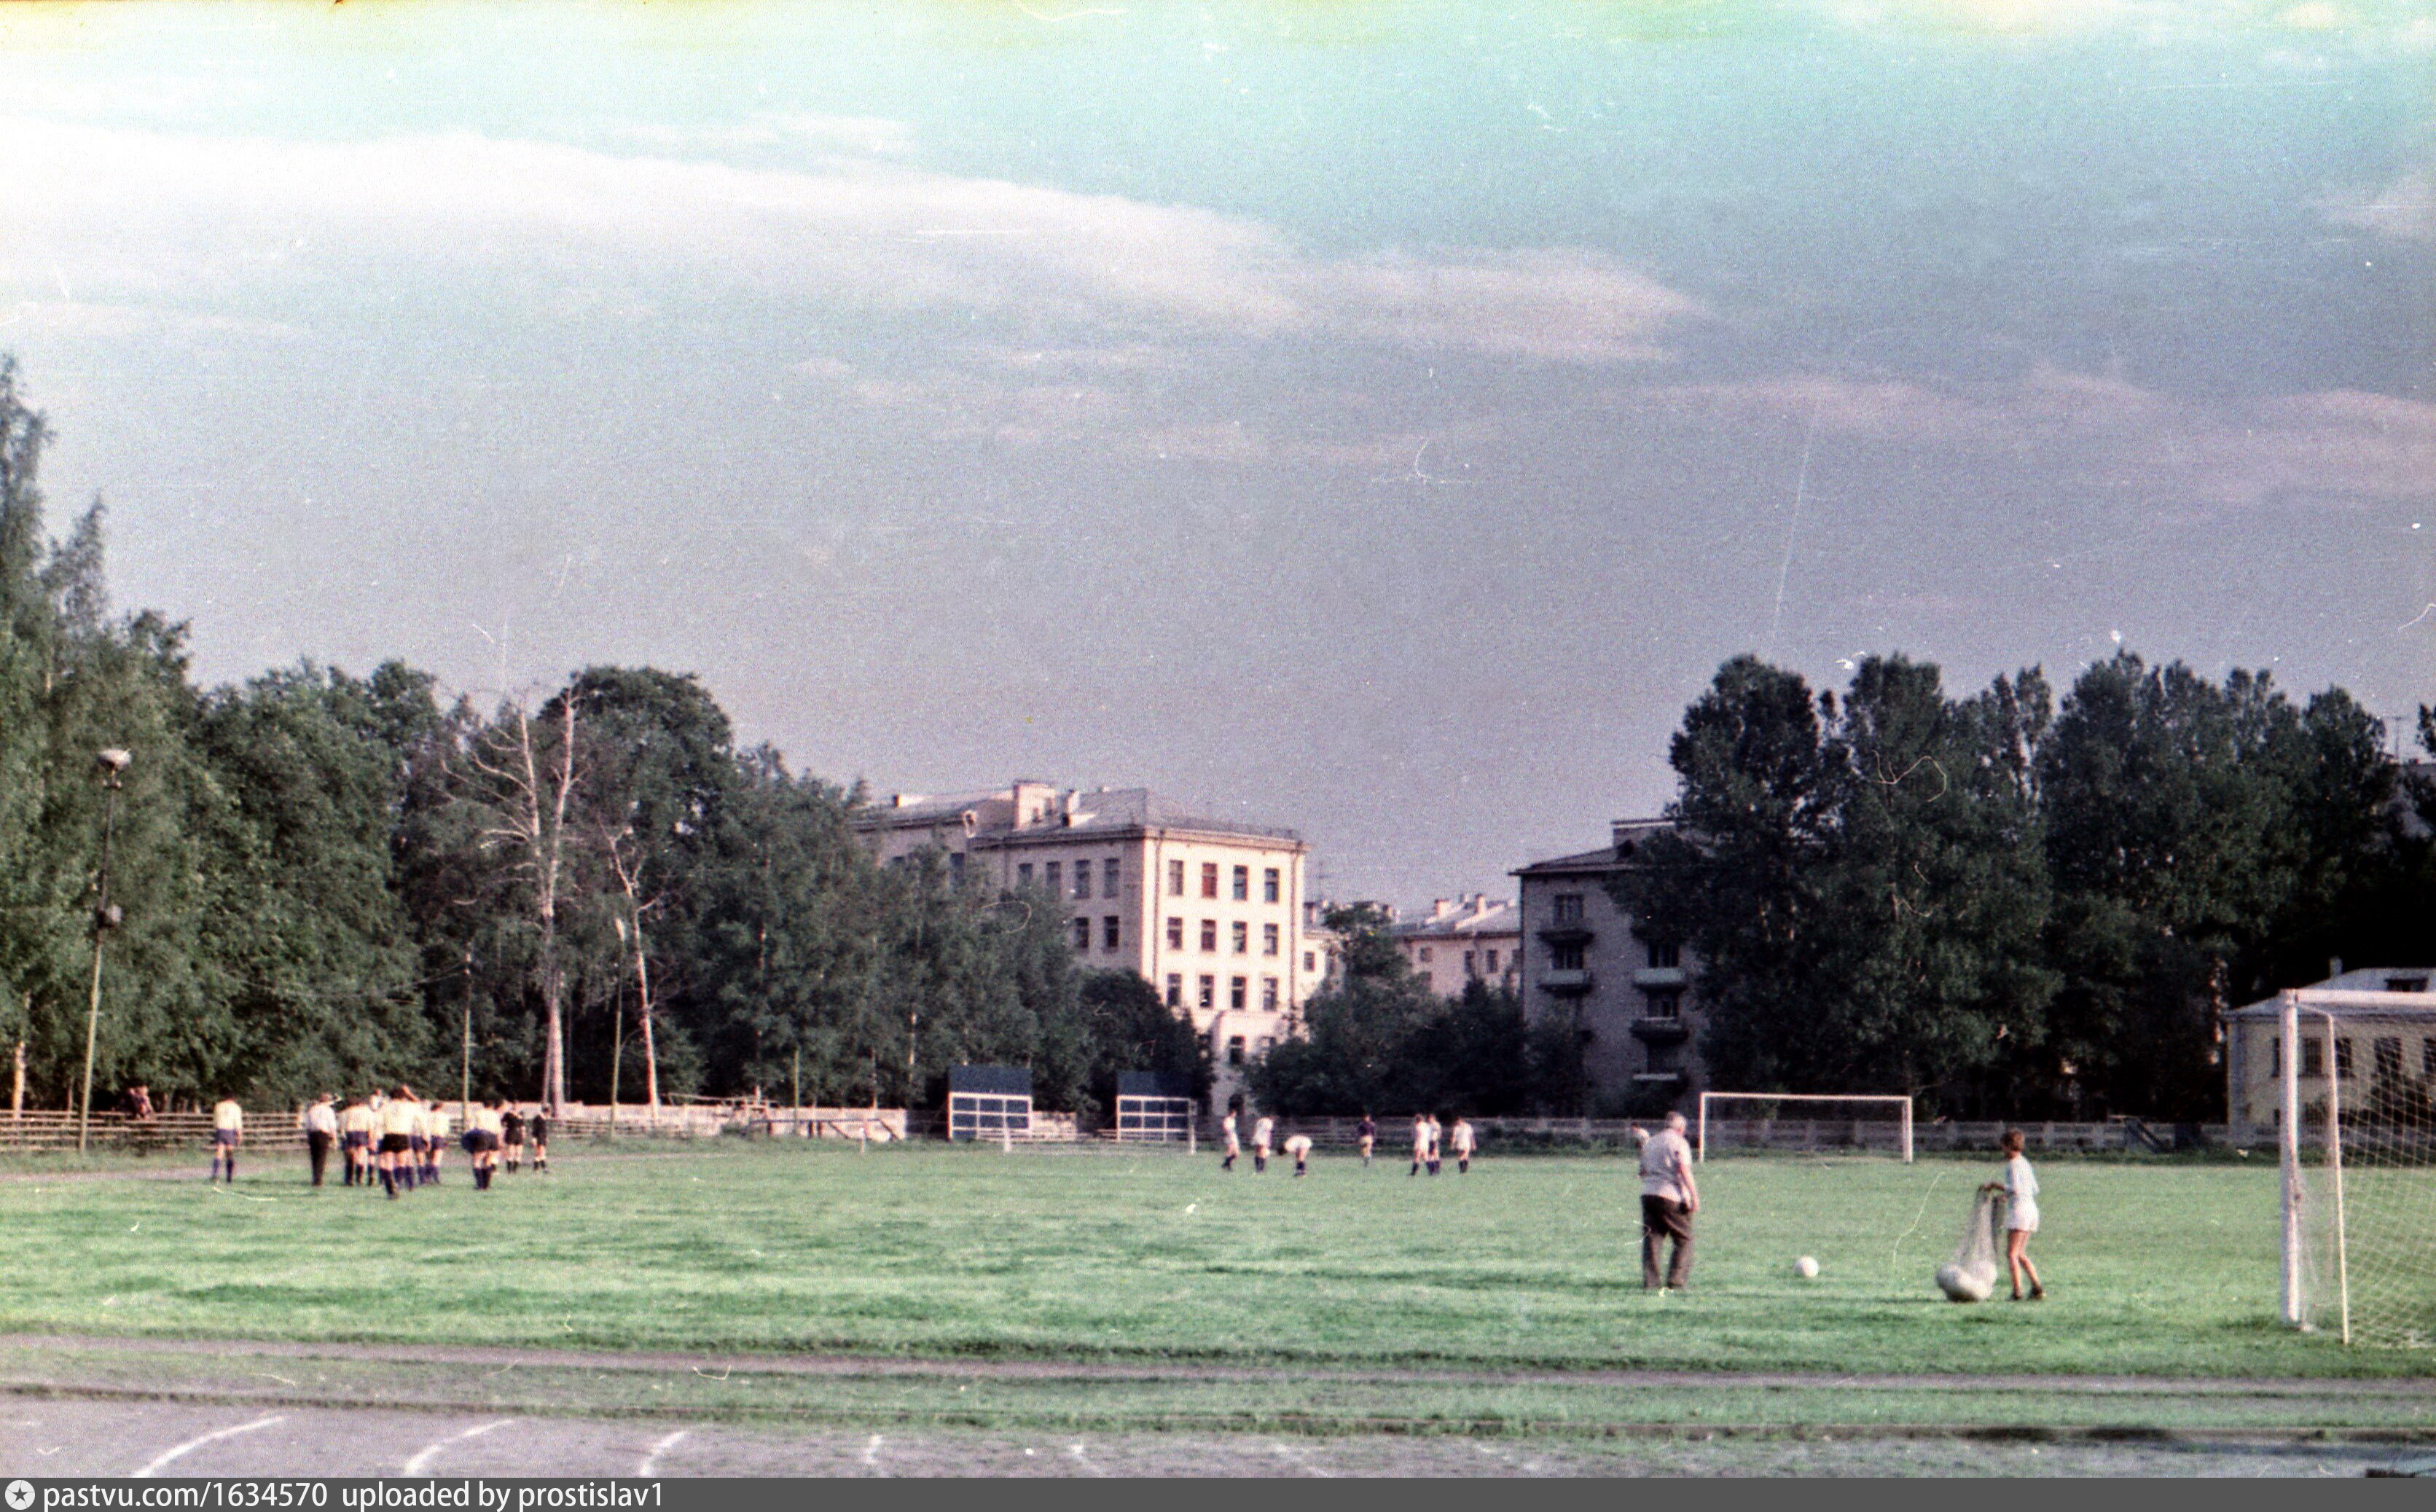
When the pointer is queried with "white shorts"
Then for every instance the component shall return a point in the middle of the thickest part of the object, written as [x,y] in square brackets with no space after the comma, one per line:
[2022,1224]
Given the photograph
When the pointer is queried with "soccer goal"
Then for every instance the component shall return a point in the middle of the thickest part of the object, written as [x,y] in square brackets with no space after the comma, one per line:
[1805,1122]
[2355,1076]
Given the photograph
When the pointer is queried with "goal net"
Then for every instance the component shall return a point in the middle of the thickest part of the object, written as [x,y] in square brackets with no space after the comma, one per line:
[1805,1123]
[2357,1128]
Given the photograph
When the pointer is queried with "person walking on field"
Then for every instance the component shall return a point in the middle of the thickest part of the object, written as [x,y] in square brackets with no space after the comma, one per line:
[1420,1143]
[1234,1145]
[320,1126]
[2020,1188]
[228,1132]
[537,1135]
[512,1135]
[1462,1140]
[1437,1142]
[1669,1197]
[1366,1136]
[355,1130]
[400,1117]
[1298,1146]
[1263,1131]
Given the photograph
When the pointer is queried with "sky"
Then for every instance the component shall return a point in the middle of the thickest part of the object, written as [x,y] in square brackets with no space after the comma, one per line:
[1379,419]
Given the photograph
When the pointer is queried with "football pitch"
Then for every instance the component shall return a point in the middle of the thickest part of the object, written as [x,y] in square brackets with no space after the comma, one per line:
[968,1287]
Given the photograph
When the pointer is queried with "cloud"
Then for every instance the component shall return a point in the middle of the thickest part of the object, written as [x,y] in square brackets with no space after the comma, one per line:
[194,221]
[2103,431]
[2405,209]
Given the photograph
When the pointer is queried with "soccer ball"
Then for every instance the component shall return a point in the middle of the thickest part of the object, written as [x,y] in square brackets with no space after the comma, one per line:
[1806,1268]
[1963,1286]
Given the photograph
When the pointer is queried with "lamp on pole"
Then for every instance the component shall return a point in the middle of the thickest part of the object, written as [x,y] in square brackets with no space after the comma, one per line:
[106,917]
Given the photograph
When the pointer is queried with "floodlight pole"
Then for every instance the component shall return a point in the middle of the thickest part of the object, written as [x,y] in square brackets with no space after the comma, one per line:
[2295,1306]
[105,918]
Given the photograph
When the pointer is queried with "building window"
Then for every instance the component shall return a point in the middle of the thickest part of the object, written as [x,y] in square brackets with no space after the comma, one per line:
[955,866]
[1174,989]
[1492,963]
[1209,986]
[1269,995]
[1175,934]
[1243,893]
[1565,957]
[1055,874]
[1569,907]
[2342,1057]
[1023,875]
[1111,930]
[2313,1056]
[1665,957]
[1235,986]
[1081,934]
[2406,983]
[2389,1060]
[1210,935]
[1241,935]
[1268,939]
[1234,1050]
[1112,870]
[1209,878]
[1082,878]
[1311,963]
[2275,1054]
[1176,879]
[1665,1005]
[1266,1043]
[1469,969]
[1269,892]
[1425,955]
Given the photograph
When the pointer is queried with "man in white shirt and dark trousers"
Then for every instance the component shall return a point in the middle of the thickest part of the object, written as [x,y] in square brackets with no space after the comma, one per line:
[1668,1199]
[320,1126]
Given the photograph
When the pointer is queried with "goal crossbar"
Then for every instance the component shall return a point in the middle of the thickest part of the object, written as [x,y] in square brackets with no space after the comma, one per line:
[1901,1103]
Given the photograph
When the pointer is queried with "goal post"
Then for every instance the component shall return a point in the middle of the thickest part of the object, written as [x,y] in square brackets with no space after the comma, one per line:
[1888,1108]
[2356,1136]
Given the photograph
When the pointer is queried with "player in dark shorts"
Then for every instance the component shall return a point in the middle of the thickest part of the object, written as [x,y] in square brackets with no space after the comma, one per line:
[400,1117]
[512,1135]
[537,1135]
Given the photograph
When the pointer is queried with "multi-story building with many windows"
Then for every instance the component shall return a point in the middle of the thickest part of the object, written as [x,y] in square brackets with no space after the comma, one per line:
[1461,941]
[1209,911]
[1625,996]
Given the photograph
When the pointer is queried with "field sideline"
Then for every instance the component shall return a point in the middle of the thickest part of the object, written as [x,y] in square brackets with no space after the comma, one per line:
[1527,1264]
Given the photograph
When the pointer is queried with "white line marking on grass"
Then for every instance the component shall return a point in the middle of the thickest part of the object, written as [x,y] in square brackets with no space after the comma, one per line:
[154,1466]
[870,1452]
[423,1456]
[1295,1457]
[650,1469]
[1074,1452]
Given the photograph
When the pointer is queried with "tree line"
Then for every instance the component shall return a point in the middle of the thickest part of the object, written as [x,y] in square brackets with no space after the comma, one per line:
[321,882]
[2010,904]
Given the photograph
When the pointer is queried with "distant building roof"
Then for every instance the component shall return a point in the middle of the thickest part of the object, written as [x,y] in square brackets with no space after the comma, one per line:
[1626,838]
[1475,915]
[1033,811]
[2415,981]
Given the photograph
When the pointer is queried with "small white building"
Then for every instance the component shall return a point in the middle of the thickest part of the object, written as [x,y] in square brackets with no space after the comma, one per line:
[2372,1052]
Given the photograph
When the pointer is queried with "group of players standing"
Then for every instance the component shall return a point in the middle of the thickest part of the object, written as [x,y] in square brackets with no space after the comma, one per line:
[395,1140]
[1429,1138]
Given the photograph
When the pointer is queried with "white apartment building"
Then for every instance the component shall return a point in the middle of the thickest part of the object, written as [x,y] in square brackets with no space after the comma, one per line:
[1208,911]
[1475,938]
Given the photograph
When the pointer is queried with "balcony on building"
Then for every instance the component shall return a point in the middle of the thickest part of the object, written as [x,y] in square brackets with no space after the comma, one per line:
[1568,983]
[1654,1031]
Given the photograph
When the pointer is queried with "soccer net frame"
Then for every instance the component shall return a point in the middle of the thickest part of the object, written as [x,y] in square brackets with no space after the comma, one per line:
[1899,1100]
[2392,1129]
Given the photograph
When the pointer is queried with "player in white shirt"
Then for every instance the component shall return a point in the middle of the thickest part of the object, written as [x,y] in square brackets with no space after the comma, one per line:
[400,1117]
[1463,1142]
[1437,1142]
[1420,1143]
[435,1139]
[228,1132]
[1234,1145]
[1263,1130]
[1669,1197]
[320,1126]
[355,1130]
[2020,1185]
[1298,1146]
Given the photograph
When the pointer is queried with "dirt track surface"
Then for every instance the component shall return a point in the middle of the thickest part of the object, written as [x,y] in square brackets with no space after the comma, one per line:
[2420,1389]
[62,1438]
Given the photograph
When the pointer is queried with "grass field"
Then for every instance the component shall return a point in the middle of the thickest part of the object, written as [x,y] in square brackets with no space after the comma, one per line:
[928,1251]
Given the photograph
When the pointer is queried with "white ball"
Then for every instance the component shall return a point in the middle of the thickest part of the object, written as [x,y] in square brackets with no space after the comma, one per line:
[1806,1268]
[1961,1286]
